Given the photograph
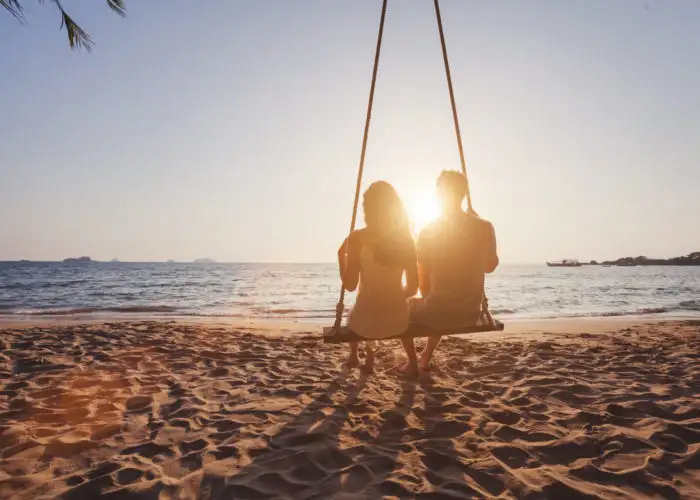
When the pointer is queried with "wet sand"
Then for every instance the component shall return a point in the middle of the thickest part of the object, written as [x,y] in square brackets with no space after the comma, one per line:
[174,409]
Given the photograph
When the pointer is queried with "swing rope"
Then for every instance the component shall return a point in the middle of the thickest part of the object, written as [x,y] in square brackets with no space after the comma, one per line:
[448,73]
[340,307]
[485,313]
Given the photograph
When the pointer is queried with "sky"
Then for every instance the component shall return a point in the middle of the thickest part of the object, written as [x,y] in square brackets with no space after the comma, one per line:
[233,130]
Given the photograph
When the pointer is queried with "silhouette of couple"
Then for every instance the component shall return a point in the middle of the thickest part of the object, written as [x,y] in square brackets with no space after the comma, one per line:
[447,263]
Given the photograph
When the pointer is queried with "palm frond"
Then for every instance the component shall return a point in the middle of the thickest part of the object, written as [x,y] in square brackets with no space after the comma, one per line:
[77,37]
[117,6]
[13,7]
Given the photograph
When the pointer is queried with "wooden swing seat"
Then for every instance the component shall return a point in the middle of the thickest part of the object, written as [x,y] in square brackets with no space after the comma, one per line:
[343,334]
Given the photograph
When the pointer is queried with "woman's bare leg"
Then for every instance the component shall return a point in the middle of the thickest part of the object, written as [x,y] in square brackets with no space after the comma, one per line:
[353,359]
[427,353]
[410,367]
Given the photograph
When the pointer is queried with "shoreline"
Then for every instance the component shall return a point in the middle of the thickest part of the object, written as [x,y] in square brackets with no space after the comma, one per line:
[564,325]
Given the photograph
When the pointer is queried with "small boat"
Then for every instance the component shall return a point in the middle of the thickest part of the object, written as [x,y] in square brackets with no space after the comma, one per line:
[565,263]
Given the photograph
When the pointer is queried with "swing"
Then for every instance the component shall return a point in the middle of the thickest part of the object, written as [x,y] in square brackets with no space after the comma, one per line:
[486,323]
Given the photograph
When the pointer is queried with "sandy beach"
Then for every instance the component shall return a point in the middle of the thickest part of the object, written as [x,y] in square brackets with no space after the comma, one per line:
[176,410]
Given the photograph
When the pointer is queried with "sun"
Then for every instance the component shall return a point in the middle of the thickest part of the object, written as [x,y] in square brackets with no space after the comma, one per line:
[422,210]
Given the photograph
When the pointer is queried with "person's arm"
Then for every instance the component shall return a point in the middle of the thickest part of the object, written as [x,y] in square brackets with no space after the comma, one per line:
[341,257]
[349,261]
[424,279]
[411,270]
[491,250]
[423,259]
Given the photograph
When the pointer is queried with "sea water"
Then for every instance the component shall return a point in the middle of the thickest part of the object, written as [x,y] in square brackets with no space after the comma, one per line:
[309,292]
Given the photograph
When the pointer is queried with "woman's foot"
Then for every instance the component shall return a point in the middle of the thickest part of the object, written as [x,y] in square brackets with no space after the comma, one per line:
[424,365]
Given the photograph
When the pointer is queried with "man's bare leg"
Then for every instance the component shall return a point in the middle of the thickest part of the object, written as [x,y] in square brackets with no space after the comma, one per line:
[368,367]
[353,359]
[427,353]
[410,367]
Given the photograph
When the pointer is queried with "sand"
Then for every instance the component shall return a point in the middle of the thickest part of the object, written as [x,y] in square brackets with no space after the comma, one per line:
[172,410]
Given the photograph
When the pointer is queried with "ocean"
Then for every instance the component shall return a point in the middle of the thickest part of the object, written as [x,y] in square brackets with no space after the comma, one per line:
[308,292]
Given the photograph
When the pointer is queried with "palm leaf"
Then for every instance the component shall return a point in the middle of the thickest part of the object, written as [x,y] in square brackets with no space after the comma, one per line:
[117,6]
[77,37]
[14,7]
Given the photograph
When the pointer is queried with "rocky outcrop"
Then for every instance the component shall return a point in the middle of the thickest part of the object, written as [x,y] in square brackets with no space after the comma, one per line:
[692,259]
[79,259]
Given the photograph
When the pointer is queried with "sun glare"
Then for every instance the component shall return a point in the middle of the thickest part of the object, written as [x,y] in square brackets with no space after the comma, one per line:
[422,210]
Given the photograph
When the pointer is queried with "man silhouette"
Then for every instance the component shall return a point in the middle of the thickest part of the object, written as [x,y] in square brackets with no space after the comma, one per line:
[454,254]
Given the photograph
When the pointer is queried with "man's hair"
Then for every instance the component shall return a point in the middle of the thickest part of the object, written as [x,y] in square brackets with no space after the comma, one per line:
[453,182]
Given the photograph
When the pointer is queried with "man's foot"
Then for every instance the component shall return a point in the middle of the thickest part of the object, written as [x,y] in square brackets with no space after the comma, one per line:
[368,367]
[408,369]
[352,361]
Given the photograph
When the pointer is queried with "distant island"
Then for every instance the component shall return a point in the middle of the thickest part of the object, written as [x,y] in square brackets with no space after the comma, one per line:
[692,259]
[204,261]
[170,261]
[79,259]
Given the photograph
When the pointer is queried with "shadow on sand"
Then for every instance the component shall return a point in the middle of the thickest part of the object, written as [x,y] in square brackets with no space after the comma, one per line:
[306,459]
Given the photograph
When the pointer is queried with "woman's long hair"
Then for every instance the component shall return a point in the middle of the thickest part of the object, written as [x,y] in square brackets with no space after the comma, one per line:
[388,223]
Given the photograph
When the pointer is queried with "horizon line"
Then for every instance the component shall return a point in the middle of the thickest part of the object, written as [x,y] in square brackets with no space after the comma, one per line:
[14,261]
